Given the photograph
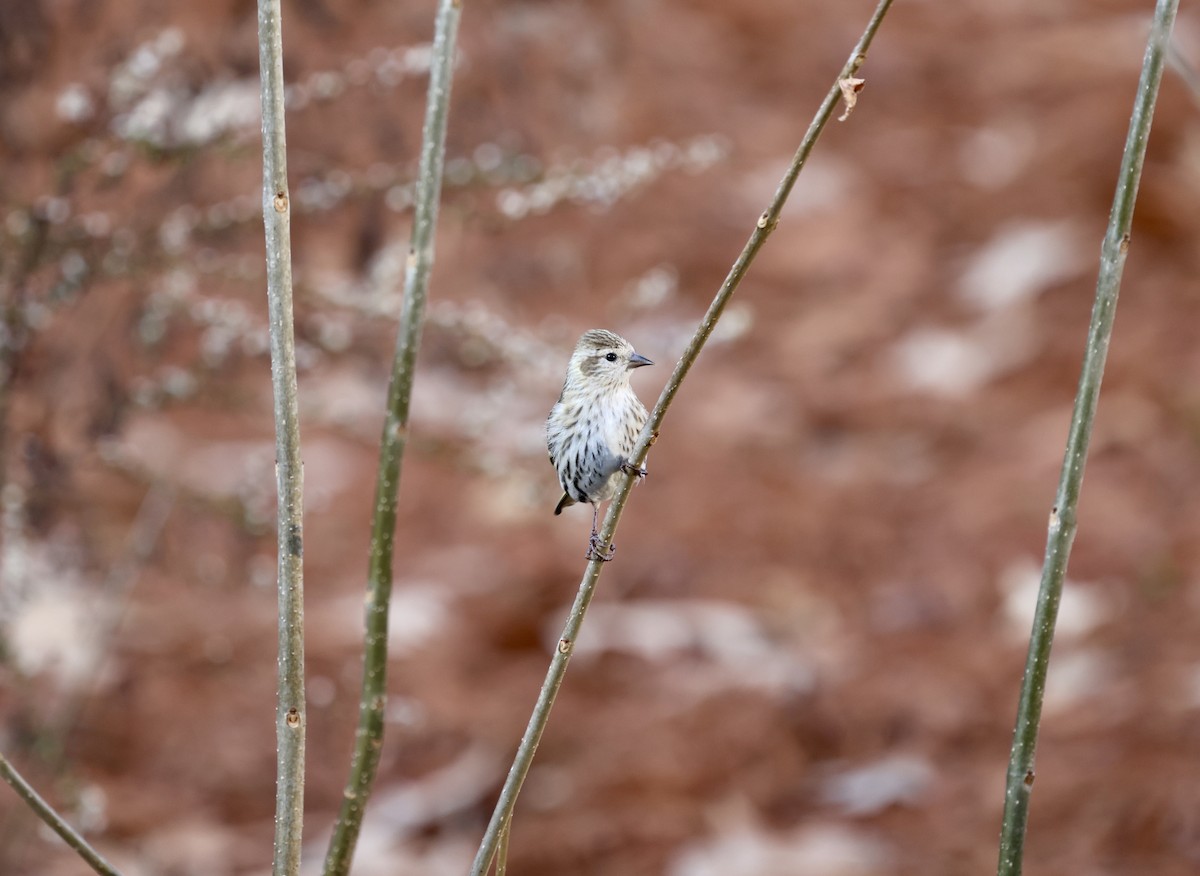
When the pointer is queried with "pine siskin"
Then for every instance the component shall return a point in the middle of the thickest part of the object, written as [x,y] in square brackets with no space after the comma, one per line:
[592,429]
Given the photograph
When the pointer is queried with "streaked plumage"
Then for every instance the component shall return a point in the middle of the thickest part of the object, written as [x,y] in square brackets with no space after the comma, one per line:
[592,429]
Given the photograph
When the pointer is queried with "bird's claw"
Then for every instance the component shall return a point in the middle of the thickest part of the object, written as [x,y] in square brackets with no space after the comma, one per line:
[629,468]
[597,550]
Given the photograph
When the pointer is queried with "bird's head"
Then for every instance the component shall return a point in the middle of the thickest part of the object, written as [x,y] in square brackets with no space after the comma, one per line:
[604,359]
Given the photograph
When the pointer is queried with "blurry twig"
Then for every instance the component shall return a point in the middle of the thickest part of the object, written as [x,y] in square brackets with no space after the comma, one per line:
[369,739]
[289,472]
[144,533]
[1190,76]
[14,282]
[558,664]
[1062,516]
[46,812]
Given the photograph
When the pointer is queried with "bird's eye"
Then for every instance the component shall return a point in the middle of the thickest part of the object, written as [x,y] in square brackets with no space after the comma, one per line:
[611,357]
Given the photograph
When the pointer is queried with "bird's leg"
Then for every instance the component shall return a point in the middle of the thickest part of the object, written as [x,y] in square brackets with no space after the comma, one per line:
[638,472]
[596,550]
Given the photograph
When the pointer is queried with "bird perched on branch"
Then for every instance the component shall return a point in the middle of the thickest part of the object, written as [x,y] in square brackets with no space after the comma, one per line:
[591,431]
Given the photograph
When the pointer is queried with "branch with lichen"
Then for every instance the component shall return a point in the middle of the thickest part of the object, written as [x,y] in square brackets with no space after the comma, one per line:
[372,703]
[46,813]
[1019,785]
[289,471]
[845,87]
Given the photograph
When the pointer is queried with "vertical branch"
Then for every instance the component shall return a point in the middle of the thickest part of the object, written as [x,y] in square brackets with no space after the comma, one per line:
[289,474]
[46,813]
[1062,516]
[502,814]
[369,738]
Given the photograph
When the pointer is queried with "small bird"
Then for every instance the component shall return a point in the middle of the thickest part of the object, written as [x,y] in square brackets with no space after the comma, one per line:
[592,428]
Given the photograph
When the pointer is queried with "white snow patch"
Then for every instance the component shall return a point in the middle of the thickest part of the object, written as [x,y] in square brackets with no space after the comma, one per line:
[74,104]
[1082,608]
[1077,675]
[1022,261]
[47,617]
[814,850]
[868,790]
[725,635]
[221,108]
[955,362]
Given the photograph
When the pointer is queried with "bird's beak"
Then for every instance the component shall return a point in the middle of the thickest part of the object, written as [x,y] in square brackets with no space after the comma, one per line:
[637,360]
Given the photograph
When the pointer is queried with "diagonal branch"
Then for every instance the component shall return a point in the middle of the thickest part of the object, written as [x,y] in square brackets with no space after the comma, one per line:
[1062,516]
[369,739]
[558,664]
[289,472]
[46,813]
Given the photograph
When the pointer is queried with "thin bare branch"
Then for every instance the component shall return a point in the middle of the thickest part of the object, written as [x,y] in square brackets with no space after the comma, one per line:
[373,701]
[558,665]
[46,813]
[289,472]
[1062,516]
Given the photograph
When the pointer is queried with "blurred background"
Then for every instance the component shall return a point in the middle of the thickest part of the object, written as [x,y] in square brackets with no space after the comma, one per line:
[806,656]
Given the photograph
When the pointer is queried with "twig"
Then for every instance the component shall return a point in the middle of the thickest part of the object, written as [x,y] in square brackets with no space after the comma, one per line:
[1062,516]
[13,293]
[46,813]
[1191,78]
[369,739]
[558,664]
[289,472]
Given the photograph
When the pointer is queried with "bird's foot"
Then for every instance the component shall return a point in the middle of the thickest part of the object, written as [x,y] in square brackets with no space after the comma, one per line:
[598,551]
[630,469]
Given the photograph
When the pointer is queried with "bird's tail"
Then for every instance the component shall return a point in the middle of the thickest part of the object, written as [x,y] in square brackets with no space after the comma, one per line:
[563,503]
